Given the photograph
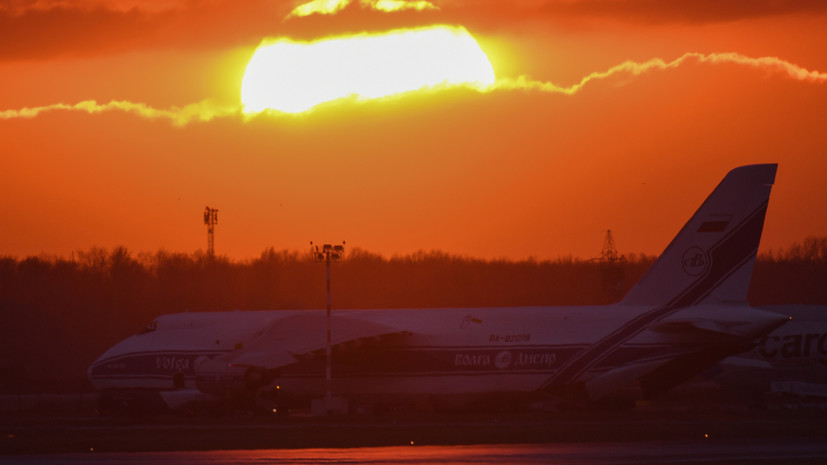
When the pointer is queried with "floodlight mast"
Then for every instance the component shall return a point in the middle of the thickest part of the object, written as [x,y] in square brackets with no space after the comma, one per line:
[326,254]
[210,219]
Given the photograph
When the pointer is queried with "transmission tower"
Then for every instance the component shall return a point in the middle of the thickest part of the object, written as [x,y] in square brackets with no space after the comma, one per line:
[611,269]
[210,219]
[609,253]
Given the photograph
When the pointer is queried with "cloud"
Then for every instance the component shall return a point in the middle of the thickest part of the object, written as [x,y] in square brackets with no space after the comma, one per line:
[332,7]
[684,11]
[20,7]
[38,30]
[207,110]
[631,11]
[389,6]
[770,64]
[319,7]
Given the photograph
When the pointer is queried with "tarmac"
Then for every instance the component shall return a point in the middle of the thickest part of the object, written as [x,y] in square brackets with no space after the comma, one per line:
[41,433]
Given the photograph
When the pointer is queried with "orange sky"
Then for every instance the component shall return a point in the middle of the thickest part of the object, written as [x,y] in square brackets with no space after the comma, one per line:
[507,173]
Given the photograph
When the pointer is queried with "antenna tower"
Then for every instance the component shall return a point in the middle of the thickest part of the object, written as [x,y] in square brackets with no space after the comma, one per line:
[210,219]
[609,253]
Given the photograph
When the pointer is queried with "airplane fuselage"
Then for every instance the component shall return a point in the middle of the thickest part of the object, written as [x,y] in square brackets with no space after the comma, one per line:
[442,351]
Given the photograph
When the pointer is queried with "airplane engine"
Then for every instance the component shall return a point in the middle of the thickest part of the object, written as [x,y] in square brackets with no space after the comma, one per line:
[257,378]
[228,380]
[219,378]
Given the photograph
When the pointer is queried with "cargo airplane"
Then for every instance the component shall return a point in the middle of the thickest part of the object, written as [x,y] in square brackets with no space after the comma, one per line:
[688,312]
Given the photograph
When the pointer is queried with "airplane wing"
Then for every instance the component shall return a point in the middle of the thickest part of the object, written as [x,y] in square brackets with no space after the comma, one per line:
[744,362]
[655,376]
[607,383]
[723,338]
[736,321]
[698,326]
[295,337]
[285,341]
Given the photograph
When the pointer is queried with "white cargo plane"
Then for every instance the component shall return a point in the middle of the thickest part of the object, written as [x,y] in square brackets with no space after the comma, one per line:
[688,312]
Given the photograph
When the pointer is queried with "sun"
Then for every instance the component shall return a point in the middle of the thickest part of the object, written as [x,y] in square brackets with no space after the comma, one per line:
[293,77]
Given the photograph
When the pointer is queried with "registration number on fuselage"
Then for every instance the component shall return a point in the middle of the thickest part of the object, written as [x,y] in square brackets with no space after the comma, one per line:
[509,338]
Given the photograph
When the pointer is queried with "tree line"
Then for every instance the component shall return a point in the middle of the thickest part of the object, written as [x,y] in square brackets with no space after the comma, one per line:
[61,313]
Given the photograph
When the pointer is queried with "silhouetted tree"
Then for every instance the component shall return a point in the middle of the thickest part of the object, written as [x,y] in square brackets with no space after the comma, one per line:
[60,314]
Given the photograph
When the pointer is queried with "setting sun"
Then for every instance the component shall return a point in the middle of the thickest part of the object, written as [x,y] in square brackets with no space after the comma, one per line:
[293,77]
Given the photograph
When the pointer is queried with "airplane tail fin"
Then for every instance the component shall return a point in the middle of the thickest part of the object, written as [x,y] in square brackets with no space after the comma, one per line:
[711,258]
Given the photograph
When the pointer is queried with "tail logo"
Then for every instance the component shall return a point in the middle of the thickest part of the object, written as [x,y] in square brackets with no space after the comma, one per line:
[695,261]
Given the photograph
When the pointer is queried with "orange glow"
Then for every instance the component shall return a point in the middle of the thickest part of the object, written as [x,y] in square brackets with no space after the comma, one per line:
[128,119]
[293,77]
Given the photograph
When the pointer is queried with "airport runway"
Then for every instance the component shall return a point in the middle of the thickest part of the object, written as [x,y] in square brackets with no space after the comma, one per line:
[796,434]
[707,452]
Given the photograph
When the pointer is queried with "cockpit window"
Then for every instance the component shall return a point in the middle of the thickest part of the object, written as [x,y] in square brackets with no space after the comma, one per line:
[149,328]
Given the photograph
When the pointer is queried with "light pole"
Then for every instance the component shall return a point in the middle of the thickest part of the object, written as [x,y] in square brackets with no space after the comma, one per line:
[326,254]
[210,219]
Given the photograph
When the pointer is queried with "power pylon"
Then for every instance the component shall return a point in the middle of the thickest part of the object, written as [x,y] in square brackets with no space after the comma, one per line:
[611,269]
[609,253]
